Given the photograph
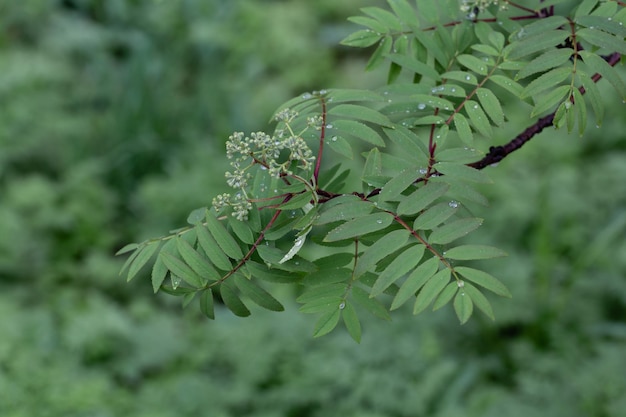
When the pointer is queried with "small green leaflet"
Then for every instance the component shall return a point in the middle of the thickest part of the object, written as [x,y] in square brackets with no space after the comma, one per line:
[491,105]
[479,299]
[535,43]
[206,303]
[463,129]
[402,264]
[477,117]
[461,76]
[361,297]
[142,256]
[412,64]
[422,197]
[224,240]
[354,111]
[384,246]
[471,252]
[346,211]
[463,306]
[508,84]
[197,262]
[603,40]
[548,101]
[212,250]
[327,322]
[484,280]
[435,215]
[446,295]
[600,66]
[159,272]
[545,61]
[473,63]
[232,300]
[548,80]
[398,184]
[415,281]
[378,56]
[181,269]
[341,146]
[257,294]
[351,320]
[361,39]
[385,17]
[431,290]
[359,226]
[454,230]
[349,95]
[359,130]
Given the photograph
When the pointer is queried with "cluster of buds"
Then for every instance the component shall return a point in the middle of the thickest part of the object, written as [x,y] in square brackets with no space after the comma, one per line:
[279,154]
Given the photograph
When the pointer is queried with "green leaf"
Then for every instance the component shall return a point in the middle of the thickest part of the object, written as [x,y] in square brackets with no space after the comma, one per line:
[603,40]
[452,231]
[372,305]
[197,262]
[585,7]
[257,294]
[196,216]
[222,237]
[351,320]
[546,61]
[434,216]
[405,12]
[206,303]
[383,247]
[232,300]
[127,248]
[327,276]
[452,90]
[412,145]
[478,117]
[508,84]
[373,24]
[434,102]
[297,201]
[341,146]
[486,49]
[462,172]
[430,290]
[463,129]
[461,76]
[446,295]
[361,38]
[491,105]
[548,101]
[593,95]
[460,155]
[359,227]
[463,306]
[414,65]
[535,43]
[212,250]
[464,192]
[473,63]
[181,270]
[348,95]
[579,103]
[606,24]
[346,211]
[402,264]
[159,272]
[272,275]
[388,19]
[334,291]
[354,111]
[484,280]
[415,281]
[394,187]
[327,322]
[472,252]
[379,54]
[143,256]
[359,130]
[422,197]
[600,66]
[548,80]
[241,230]
[540,26]
[478,299]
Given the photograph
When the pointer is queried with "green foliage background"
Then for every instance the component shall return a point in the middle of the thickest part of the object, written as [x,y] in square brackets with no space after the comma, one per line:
[113,110]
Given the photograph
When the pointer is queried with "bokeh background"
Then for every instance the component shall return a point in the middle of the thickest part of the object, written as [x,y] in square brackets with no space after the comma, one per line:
[113,118]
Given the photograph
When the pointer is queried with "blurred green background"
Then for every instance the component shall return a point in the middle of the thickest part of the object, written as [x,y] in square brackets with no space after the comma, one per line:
[113,117]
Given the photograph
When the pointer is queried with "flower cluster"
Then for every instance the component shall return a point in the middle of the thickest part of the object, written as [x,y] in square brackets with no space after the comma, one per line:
[279,154]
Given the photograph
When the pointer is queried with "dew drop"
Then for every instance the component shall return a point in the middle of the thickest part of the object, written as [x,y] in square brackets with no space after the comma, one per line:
[334,139]
[467,77]
[453,204]
[475,106]
[609,19]
[453,89]
[423,171]
[421,106]
[175,282]
[329,126]
[460,283]
[342,306]
[306,96]
[323,91]
[385,93]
